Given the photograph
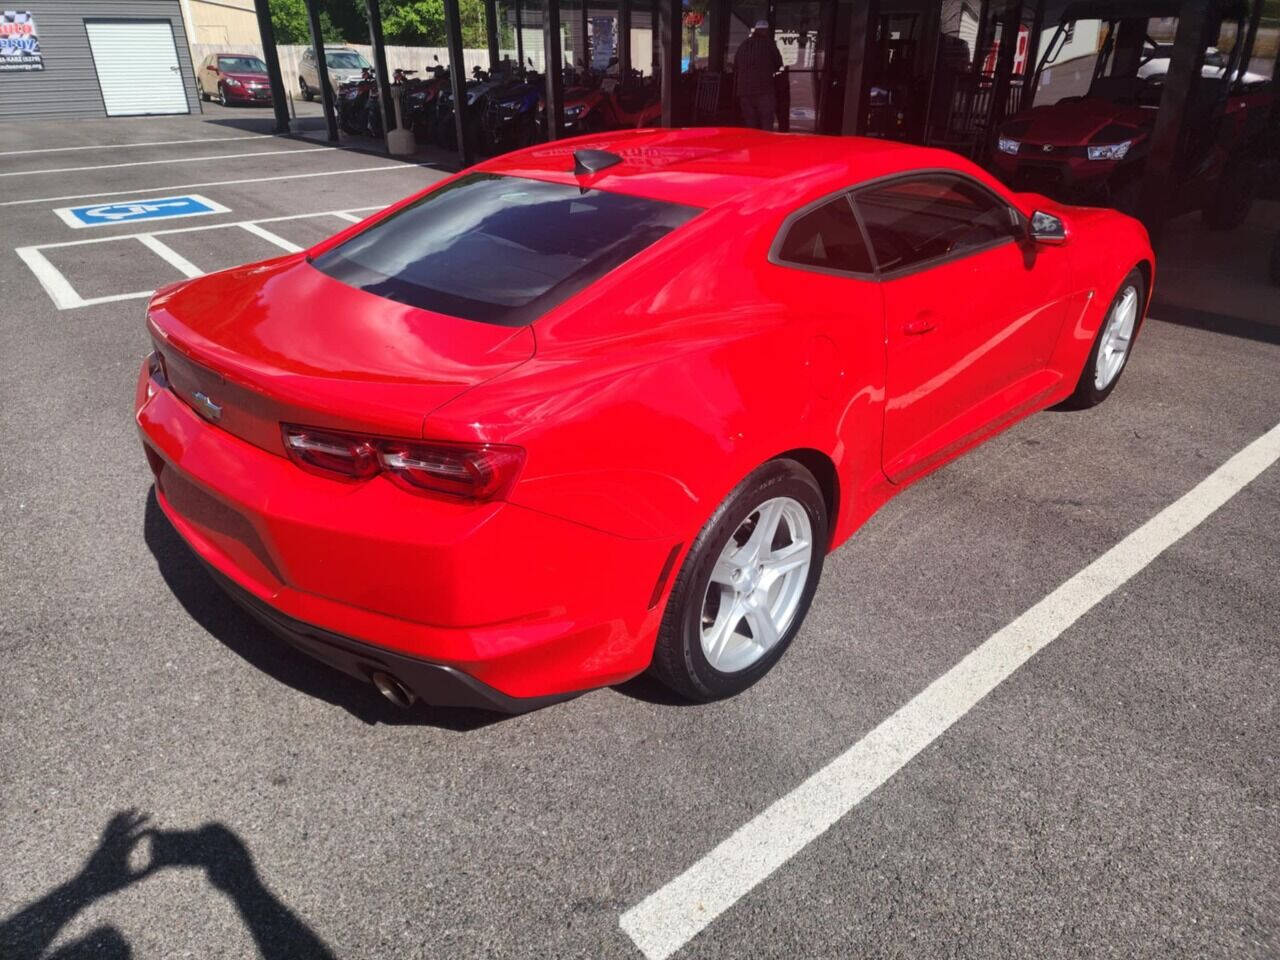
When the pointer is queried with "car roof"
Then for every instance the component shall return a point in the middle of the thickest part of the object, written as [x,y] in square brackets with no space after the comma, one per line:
[706,166]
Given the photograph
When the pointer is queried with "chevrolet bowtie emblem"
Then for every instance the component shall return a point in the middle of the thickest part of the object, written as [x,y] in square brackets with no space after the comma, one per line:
[1047,148]
[206,407]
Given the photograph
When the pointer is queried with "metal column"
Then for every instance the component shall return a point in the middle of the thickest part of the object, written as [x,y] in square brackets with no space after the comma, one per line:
[491,32]
[385,103]
[862,21]
[554,69]
[655,52]
[1169,135]
[668,29]
[520,33]
[272,59]
[719,30]
[322,70]
[457,77]
[1011,20]
[624,39]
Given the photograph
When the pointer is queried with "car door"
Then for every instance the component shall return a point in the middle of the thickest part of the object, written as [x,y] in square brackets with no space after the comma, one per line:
[973,311]
[830,287]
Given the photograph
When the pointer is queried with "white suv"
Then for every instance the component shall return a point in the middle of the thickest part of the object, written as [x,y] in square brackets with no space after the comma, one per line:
[345,64]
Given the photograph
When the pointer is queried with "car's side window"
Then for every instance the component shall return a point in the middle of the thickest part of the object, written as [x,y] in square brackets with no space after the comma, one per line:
[918,219]
[828,237]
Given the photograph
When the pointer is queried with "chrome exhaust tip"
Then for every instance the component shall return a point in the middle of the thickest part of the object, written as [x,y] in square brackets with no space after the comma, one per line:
[393,689]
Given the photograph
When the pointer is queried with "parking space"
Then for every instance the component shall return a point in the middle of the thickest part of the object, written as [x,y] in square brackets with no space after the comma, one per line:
[1113,794]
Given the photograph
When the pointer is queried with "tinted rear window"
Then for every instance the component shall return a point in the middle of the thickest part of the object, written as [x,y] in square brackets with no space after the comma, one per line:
[827,237]
[499,249]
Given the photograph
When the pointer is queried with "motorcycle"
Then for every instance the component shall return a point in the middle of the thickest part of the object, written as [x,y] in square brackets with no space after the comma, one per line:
[419,101]
[358,107]
[509,120]
[609,103]
[444,131]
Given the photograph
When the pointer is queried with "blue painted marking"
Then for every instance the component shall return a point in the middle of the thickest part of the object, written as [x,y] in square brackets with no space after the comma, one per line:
[134,211]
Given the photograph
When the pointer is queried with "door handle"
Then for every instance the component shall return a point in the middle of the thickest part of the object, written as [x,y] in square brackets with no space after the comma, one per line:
[923,323]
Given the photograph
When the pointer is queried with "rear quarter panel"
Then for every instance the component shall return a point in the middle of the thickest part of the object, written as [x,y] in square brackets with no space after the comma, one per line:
[652,394]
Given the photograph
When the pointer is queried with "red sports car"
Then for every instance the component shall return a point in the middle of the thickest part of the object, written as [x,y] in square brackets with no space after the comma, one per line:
[604,405]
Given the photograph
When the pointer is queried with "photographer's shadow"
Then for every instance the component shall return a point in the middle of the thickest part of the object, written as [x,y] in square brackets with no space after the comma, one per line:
[278,932]
[206,603]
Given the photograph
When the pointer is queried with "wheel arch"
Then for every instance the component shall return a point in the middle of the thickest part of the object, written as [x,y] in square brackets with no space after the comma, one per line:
[823,470]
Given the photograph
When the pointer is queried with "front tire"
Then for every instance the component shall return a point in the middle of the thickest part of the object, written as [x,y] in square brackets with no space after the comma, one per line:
[307,95]
[1113,344]
[745,586]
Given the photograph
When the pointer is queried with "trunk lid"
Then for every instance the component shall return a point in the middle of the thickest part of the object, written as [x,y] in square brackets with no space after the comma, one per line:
[259,345]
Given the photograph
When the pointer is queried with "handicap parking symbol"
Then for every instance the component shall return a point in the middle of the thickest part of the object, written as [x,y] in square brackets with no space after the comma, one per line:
[134,211]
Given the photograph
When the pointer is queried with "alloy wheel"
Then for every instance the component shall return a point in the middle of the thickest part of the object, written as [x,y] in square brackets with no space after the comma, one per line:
[756,585]
[1116,338]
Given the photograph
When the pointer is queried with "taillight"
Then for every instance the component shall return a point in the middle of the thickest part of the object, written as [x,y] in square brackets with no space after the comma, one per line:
[480,471]
[331,453]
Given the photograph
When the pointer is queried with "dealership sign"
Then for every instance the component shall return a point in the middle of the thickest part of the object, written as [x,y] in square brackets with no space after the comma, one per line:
[19,44]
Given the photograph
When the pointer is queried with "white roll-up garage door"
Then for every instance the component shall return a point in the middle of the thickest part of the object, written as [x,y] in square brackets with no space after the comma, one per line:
[137,66]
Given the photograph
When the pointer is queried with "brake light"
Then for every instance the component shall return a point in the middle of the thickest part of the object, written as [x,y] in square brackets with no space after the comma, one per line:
[479,471]
[331,453]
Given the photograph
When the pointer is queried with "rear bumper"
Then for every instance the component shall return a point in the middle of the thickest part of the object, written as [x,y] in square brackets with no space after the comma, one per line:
[433,683]
[247,96]
[527,605]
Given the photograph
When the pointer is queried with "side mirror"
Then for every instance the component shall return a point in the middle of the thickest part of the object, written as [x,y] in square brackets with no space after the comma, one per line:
[1046,228]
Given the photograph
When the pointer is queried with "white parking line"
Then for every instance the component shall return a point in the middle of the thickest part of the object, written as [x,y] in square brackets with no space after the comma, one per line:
[61,292]
[123,146]
[214,183]
[666,920]
[170,256]
[65,297]
[152,163]
[267,235]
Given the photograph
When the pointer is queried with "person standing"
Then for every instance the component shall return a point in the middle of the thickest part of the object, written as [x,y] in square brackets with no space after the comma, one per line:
[754,66]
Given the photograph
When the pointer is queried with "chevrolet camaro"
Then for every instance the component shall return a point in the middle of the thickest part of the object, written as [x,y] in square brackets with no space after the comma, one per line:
[603,406]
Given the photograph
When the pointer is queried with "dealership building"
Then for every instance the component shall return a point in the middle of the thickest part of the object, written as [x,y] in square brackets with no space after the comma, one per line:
[937,72]
[70,59]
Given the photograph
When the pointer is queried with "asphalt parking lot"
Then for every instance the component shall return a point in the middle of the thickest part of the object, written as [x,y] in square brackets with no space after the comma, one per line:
[1118,795]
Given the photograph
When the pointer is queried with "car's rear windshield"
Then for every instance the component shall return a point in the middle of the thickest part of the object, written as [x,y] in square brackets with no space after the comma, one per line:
[499,249]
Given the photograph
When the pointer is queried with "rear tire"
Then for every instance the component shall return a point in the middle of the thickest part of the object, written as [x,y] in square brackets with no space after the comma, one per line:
[1113,345]
[738,600]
